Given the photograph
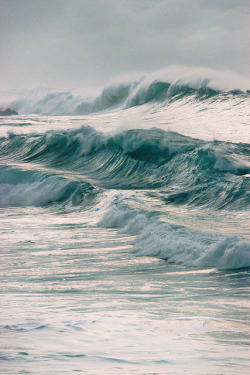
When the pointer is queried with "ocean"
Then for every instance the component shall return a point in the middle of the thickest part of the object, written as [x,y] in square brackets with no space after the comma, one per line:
[125,241]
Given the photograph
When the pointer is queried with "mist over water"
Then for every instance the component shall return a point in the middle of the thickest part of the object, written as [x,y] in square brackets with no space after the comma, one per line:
[125,228]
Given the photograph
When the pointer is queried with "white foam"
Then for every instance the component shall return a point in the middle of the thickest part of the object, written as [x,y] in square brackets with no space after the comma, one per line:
[178,244]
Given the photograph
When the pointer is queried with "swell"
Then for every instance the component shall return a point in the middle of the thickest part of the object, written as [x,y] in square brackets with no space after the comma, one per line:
[183,170]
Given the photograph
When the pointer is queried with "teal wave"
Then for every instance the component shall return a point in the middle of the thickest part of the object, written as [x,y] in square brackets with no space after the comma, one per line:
[181,169]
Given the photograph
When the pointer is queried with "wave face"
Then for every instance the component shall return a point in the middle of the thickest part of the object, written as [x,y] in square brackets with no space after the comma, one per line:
[173,83]
[155,172]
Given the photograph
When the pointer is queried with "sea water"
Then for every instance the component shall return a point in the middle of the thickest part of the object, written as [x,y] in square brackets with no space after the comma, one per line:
[125,233]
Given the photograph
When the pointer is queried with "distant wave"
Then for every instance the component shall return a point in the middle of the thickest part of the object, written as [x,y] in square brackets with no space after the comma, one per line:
[186,170]
[172,83]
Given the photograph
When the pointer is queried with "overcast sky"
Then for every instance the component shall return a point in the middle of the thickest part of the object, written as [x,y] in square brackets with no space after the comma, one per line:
[79,43]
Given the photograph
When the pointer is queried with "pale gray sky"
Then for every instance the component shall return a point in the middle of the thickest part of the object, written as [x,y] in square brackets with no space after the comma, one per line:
[78,43]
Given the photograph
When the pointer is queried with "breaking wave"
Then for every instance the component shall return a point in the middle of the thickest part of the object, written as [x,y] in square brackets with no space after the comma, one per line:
[172,83]
[153,236]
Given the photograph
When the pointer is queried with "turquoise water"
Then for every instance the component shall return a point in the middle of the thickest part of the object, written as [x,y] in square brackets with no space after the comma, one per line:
[125,239]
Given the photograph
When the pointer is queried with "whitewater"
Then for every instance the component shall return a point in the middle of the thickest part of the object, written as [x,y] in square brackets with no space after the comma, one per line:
[124,221]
